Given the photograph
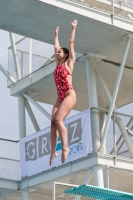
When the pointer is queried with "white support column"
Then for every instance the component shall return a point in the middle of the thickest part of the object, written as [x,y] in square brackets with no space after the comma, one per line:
[106,176]
[98,176]
[114,135]
[31,115]
[21,114]
[15,56]
[102,126]
[7,74]
[25,194]
[92,96]
[112,14]
[130,16]
[53,191]
[88,177]
[129,131]
[125,135]
[115,92]
[30,55]
[22,67]
[38,106]
[86,181]
[118,121]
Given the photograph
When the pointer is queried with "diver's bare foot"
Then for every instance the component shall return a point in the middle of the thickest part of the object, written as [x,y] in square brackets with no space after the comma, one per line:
[52,156]
[64,154]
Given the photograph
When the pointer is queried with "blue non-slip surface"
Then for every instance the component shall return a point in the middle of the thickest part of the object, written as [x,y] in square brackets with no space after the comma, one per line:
[90,191]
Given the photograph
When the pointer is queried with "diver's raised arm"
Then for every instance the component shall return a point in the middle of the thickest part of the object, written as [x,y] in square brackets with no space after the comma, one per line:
[56,42]
[71,59]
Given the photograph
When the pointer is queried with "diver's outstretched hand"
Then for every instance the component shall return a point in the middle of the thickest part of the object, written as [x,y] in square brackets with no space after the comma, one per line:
[74,23]
[57,30]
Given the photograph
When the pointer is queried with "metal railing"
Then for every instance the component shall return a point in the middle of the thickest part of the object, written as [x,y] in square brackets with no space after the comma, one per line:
[110,6]
[115,143]
[29,61]
[9,160]
[42,55]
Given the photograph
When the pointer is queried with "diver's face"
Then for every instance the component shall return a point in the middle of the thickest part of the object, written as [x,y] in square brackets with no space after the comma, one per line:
[60,54]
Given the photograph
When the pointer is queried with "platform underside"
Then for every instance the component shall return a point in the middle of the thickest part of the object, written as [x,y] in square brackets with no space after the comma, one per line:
[38,20]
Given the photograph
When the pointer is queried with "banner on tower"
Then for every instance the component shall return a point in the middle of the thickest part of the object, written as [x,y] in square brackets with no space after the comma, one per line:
[35,149]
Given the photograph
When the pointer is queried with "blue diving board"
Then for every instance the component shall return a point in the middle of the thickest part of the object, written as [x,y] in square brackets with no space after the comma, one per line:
[90,191]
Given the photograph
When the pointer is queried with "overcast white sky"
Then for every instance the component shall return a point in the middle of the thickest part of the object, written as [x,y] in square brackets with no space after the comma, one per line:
[8,104]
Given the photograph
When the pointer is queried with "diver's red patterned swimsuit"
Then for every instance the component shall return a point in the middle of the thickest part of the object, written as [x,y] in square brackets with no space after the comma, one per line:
[61,82]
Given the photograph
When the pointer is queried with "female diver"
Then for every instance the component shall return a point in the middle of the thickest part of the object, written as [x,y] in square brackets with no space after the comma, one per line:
[66,99]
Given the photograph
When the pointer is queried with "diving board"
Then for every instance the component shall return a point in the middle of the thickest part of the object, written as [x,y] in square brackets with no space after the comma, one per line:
[90,191]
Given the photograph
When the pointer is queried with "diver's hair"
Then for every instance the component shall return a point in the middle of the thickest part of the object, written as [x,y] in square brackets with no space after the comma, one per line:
[66,51]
